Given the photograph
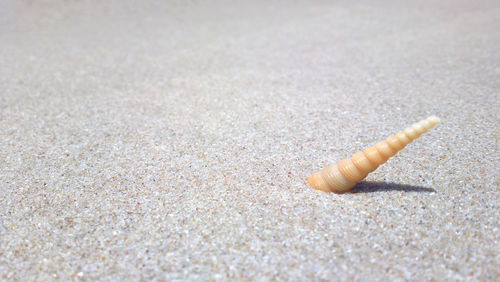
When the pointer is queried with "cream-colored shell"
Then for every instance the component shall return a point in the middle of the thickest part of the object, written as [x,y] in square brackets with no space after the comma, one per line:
[344,176]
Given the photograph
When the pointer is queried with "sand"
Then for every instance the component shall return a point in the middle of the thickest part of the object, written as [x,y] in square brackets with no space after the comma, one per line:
[151,140]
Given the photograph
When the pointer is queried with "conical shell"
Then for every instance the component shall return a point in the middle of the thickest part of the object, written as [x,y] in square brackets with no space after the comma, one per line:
[343,176]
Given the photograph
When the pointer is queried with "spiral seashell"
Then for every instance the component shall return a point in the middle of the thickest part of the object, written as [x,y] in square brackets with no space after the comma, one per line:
[343,177]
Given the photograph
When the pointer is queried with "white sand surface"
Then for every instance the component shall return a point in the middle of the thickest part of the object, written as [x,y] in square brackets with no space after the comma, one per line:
[171,140]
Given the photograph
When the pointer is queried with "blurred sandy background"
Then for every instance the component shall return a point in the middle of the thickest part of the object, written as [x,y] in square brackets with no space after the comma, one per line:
[172,139]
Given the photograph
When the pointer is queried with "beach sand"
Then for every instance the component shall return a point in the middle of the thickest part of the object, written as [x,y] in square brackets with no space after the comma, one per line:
[143,140]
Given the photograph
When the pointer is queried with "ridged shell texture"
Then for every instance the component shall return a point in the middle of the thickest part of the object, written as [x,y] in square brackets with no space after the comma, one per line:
[344,176]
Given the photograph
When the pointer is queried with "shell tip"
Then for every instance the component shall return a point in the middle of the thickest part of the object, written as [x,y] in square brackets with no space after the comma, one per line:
[434,120]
